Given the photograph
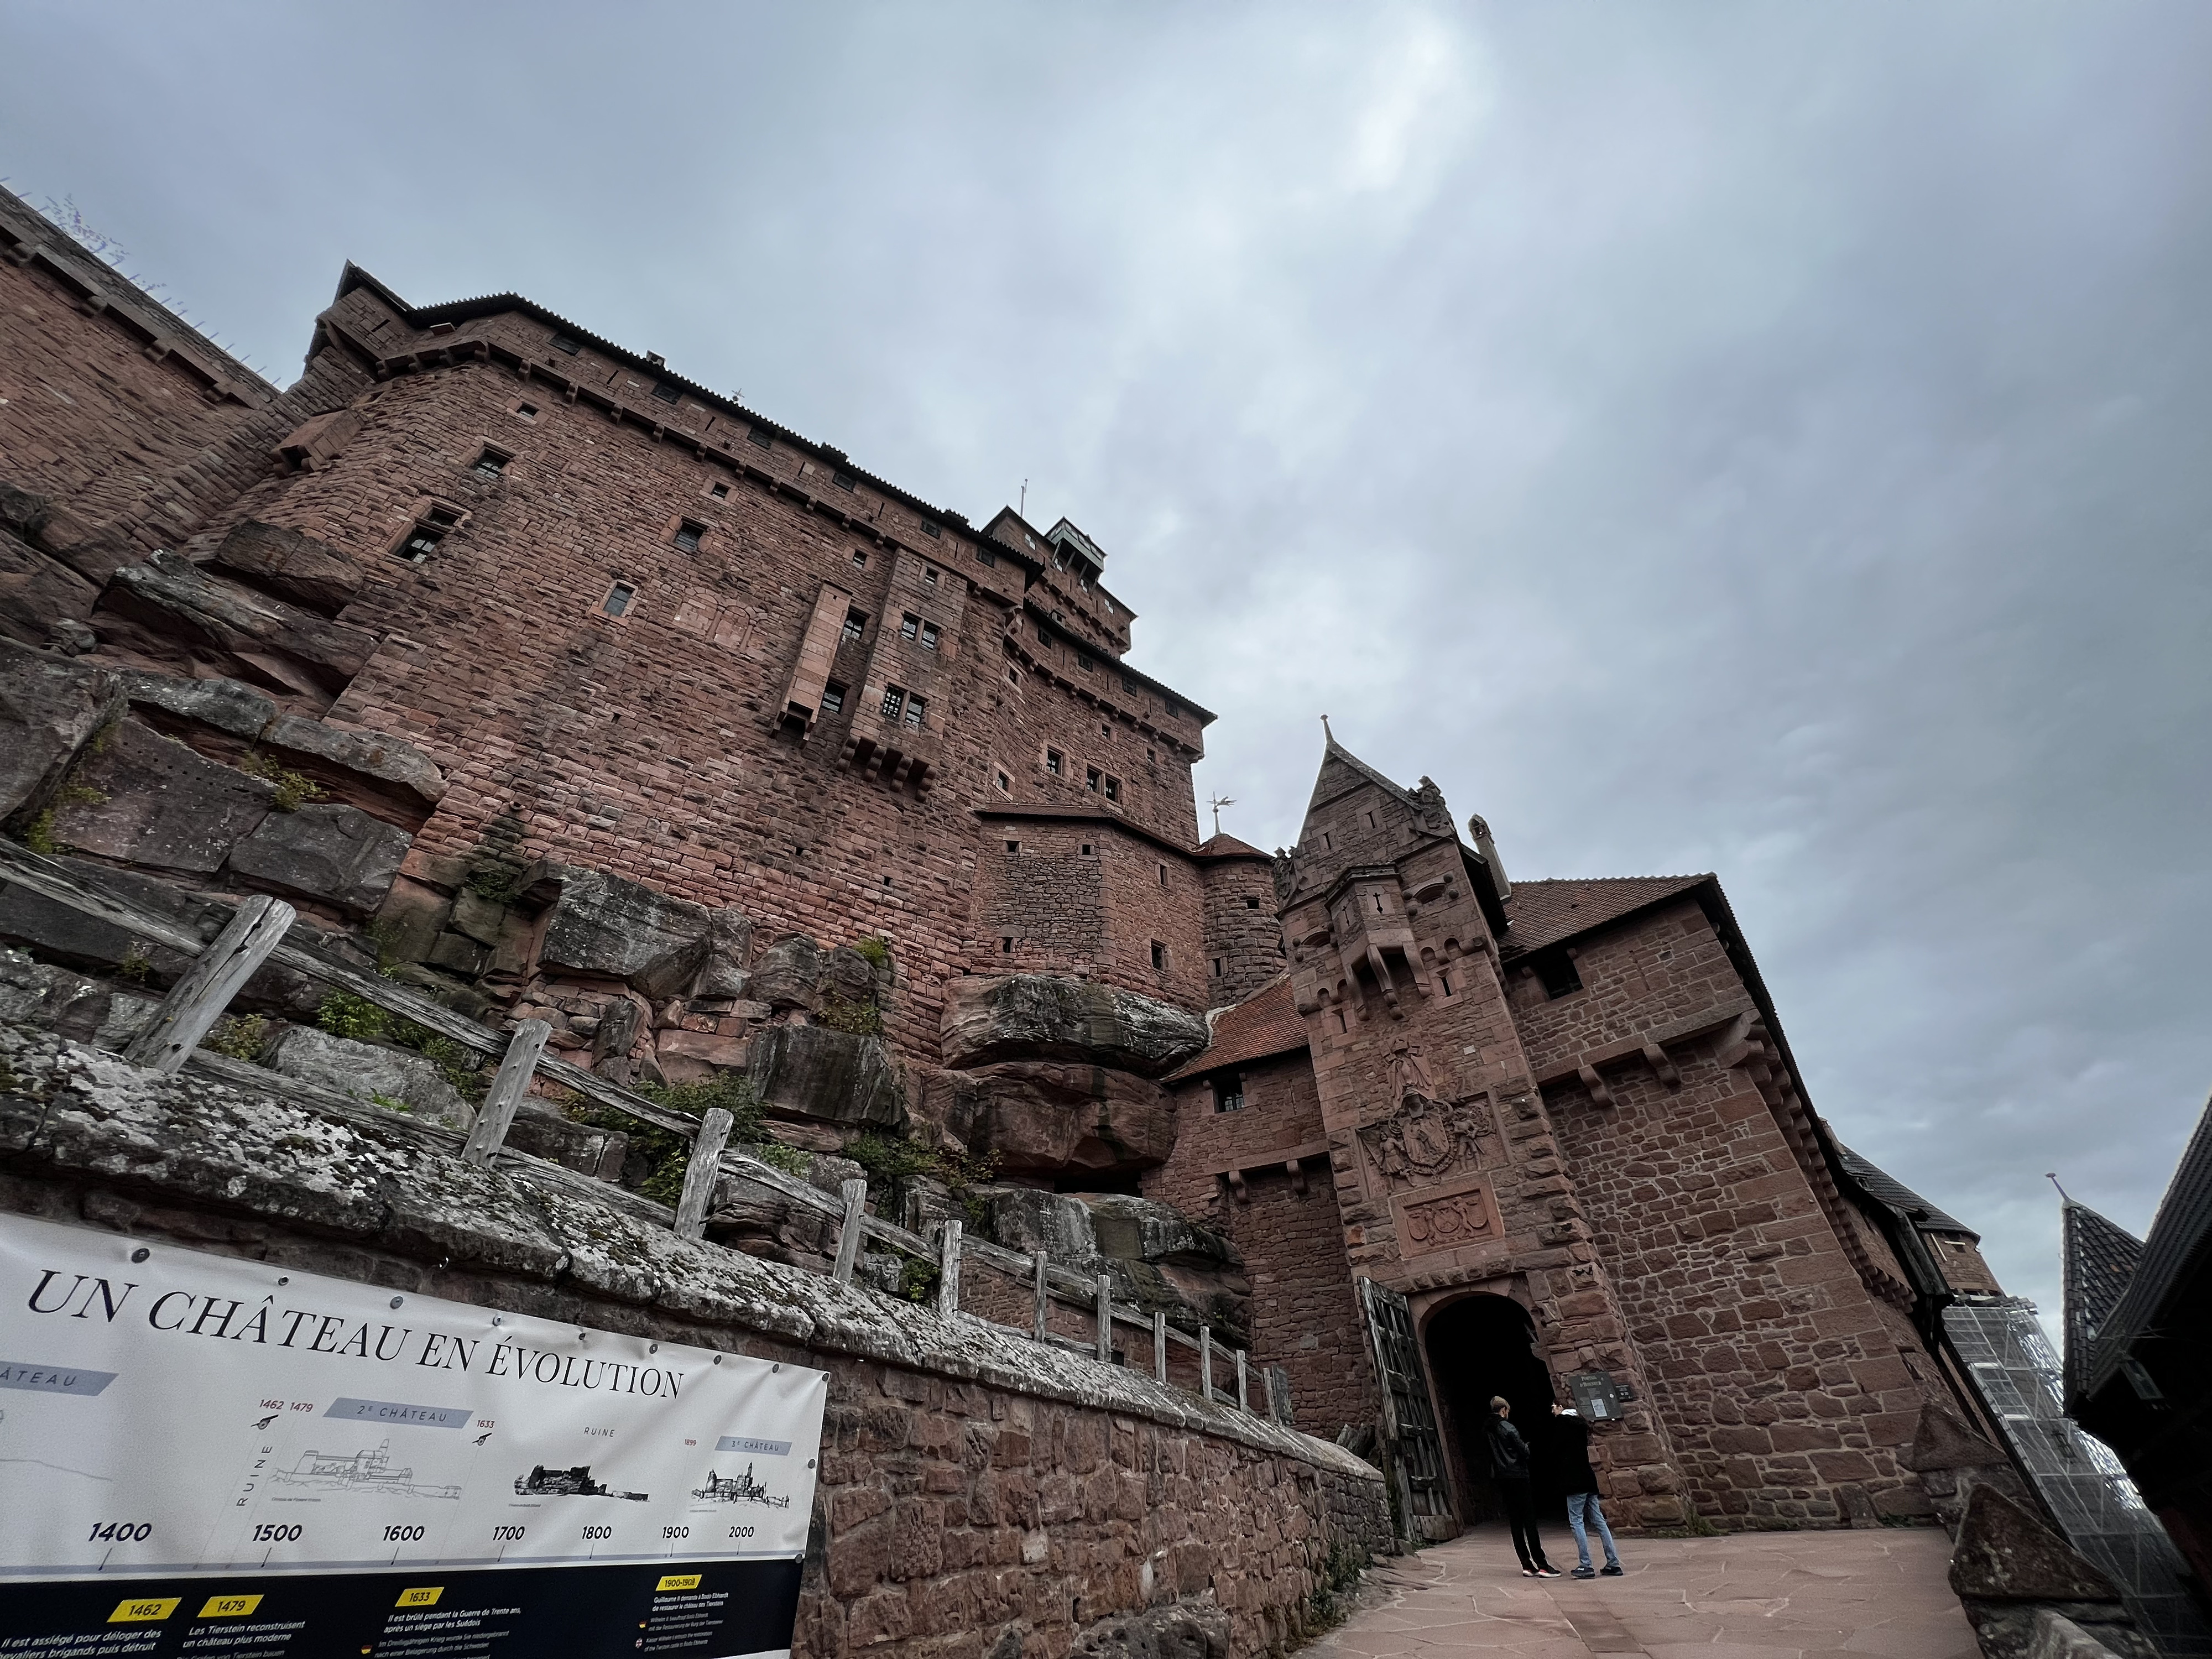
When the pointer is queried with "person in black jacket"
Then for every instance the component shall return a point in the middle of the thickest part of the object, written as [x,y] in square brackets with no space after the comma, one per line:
[1509,1467]
[1579,1481]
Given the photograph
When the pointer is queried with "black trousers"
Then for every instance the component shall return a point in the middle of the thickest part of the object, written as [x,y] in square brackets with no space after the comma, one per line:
[1521,1515]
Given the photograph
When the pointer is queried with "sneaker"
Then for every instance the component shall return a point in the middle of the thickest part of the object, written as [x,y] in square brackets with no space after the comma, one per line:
[1612,1569]
[1549,1571]
[1582,1572]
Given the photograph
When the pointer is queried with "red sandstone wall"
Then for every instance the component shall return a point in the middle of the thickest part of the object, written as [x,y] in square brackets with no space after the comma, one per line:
[1243,940]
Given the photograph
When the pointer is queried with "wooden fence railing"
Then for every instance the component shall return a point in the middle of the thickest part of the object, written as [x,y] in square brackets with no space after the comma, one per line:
[256,935]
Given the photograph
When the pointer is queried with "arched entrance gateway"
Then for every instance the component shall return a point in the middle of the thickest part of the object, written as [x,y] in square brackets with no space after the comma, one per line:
[1476,1346]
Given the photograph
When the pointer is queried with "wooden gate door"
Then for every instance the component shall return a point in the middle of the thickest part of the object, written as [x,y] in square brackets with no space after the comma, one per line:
[1409,1419]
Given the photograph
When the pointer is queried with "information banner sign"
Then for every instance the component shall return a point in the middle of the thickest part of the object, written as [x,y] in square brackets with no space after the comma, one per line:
[204,1455]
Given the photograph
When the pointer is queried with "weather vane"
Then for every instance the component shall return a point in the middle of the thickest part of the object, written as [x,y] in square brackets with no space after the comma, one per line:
[1218,803]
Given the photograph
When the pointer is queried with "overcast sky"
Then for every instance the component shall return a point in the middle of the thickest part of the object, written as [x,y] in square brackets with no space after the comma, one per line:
[1770,440]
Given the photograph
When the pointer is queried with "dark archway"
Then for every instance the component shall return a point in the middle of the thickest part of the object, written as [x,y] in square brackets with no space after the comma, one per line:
[1477,1347]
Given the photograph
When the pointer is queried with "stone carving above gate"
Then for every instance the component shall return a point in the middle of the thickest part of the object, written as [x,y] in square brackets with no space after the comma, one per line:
[1426,1139]
[1447,1219]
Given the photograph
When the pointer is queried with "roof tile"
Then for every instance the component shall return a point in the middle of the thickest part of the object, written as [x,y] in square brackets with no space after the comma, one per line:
[1542,913]
[1266,1023]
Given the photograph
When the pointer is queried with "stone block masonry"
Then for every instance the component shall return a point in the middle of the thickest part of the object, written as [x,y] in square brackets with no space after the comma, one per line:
[978,1493]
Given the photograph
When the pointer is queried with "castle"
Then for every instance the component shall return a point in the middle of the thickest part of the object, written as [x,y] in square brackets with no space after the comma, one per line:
[576,690]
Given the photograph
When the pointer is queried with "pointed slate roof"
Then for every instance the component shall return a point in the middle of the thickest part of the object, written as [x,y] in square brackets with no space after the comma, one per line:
[1886,1188]
[2180,1235]
[2100,1261]
[1543,913]
[1326,788]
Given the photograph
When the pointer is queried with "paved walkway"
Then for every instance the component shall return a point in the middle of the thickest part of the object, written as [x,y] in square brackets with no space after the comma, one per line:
[1871,1594]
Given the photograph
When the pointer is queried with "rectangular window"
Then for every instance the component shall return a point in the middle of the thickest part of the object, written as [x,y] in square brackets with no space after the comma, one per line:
[931,531]
[1005,944]
[1086,850]
[893,703]
[1159,958]
[668,393]
[1092,778]
[856,625]
[1229,1094]
[562,342]
[929,636]
[910,627]
[1005,784]
[1013,676]
[420,545]
[984,556]
[833,698]
[720,492]
[1013,847]
[1251,905]
[1113,788]
[761,435]
[1217,967]
[929,574]
[916,708]
[1164,875]
[526,411]
[1558,971]
[1053,762]
[1085,663]
[688,535]
[1130,686]
[843,480]
[490,465]
[617,601]
[860,559]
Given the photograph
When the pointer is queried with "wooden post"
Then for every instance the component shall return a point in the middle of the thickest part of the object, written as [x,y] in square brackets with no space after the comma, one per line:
[1105,1318]
[190,1011]
[948,1269]
[1159,1344]
[1206,1362]
[1243,1403]
[1042,1290]
[496,1115]
[849,1236]
[699,1175]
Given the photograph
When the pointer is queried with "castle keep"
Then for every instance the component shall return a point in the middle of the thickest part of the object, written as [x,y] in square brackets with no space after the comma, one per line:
[564,687]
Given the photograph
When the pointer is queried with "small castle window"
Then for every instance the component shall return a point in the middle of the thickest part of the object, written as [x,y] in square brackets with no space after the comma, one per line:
[1251,905]
[618,599]
[1150,754]
[1174,708]
[1013,847]
[856,625]
[833,698]
[422,544]
[720,492]
[688,535]
[1086,850]
[1005,944]
[526,411]
[929,636]
[1084,662]
[668,393]
[930,529]
[1217,967]
[843,480]
[914,710]
[1113,788]
[562,342]
[893,703]
[984,556]
[1558,971]
[1005,784]
[1159,958]
[1013,676]
[1053,762]
[929,574]
[910,627]
[1129,686]
[1164,875]
[860,559]
[1092,777]
[761,435]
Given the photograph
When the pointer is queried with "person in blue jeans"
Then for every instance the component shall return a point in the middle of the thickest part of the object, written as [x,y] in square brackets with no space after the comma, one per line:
[1579,1482]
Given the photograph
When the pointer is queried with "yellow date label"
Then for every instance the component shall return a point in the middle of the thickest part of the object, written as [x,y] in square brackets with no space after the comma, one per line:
[145,1611]
[423,1597]
[677,1581]
[229,1606]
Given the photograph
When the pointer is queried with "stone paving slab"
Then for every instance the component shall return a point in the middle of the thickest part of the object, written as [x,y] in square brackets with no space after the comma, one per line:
[1873,1595]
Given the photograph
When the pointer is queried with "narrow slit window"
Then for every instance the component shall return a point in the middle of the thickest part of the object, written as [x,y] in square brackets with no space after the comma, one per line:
[1013,676]
[1005,784]
[1217,967]
[833,698]
[618,600]
[929,576]
[688,535]
[893,703]
[856,625]
[1164,875]
[1443,980]
[1005,944]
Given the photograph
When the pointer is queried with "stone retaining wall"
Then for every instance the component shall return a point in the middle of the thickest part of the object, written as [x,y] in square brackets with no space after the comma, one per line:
[978,1494]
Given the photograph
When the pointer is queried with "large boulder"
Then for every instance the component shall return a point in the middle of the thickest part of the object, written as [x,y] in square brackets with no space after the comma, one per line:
[139,798]
[1138,1229]
[338,855]
[1050,1017]
[729,939]
[291,566]
[616,929]
[829,1077]
[365,1070]
[170,597]
[788,974]
[387,759]
[40,598]
[1045,1118]
[50,707]
[1027,1219]
[231,706]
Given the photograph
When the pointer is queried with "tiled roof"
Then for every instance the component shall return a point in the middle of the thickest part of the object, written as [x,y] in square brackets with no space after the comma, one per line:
[1886,1188]
[2100,1260]
[2179,1234]
[1266,1023]
[1220,846]
[1542,913]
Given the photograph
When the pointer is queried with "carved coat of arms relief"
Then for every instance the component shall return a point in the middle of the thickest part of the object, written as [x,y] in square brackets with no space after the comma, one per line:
[1426,1139]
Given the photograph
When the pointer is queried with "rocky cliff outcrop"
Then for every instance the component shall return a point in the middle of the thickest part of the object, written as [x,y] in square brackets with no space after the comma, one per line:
[1050,1017]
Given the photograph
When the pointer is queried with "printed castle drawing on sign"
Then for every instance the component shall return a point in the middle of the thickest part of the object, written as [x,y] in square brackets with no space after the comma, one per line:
[360,1471]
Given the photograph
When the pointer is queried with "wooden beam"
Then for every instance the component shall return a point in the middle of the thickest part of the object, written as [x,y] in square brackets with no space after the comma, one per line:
[699,1175]
[191,1009]
[948,1270]
[496,1115]
[855,1193]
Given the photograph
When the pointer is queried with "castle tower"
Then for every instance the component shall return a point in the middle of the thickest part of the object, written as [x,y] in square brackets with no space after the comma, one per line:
[1449,1182]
